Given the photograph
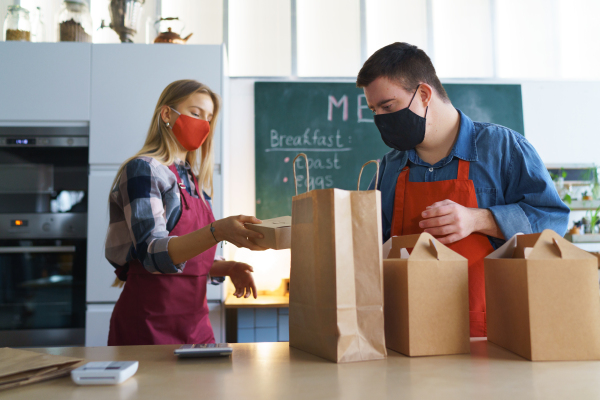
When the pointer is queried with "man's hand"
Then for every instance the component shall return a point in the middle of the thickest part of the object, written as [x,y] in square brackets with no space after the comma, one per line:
[240,274]
[451,222]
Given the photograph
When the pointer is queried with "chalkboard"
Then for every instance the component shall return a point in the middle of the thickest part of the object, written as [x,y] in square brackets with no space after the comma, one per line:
[332,124]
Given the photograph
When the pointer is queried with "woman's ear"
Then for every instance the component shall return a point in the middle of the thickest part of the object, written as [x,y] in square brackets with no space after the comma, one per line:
[165,114]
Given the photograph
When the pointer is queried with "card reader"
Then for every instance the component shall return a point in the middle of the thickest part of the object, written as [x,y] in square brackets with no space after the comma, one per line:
[204,350]
[104,373]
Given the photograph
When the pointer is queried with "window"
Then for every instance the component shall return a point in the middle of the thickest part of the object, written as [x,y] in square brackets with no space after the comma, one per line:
[579,39]
[527,39]
[260,37]
[202,18]
[328,37]
[514,39]
[145,32]
[390,21]
[462,38]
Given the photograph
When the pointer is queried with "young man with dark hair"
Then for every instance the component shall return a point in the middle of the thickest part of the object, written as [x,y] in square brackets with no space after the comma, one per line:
[470,184]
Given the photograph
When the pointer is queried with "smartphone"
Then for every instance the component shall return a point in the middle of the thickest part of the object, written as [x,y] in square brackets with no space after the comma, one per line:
[204,350]
[104,373]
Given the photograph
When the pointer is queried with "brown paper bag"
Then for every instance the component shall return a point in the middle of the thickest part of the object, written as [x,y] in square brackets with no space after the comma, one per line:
[542,298]
[336,287]
[22,367]
[426,298]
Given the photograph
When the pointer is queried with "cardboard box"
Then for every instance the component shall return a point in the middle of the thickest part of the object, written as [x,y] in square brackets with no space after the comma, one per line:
[542,298]
[597,255]
[426,297]
[277,232]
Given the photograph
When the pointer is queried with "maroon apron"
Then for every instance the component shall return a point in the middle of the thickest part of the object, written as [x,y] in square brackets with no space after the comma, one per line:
[168,308]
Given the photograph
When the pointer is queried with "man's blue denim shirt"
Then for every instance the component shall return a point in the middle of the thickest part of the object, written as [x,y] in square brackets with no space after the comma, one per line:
[509,176]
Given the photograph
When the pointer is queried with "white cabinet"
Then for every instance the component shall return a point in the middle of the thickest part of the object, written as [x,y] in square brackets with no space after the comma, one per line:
[97,323]
[216,314]
[100,274]
[127,81]
[44,83]
[215,292]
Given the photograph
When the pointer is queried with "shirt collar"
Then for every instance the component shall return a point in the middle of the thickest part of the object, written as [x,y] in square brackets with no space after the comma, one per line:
[465,147]
[179,162]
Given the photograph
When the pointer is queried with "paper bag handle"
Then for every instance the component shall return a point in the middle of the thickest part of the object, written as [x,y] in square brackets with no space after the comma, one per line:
[432,243]
[432,247]
[555,242]
[376,176]
[307,180]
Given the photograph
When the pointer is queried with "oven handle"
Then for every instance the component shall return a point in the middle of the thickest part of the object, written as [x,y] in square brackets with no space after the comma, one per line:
[37,249]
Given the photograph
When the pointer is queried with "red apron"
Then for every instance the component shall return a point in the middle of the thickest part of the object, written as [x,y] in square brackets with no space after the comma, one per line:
[412,198]
[167,308]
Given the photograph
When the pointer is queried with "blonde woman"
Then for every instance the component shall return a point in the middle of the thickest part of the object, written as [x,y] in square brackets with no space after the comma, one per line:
[162,235]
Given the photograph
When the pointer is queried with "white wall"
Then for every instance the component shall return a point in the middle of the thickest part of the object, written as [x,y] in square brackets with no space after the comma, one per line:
[239,182]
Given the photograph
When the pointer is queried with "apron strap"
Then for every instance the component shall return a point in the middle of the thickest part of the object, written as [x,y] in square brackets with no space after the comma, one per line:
[173,169]
[463,170]
[398,216]
[180,185]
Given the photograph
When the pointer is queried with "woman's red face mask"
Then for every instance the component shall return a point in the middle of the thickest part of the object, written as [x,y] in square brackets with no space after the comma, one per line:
[190,132]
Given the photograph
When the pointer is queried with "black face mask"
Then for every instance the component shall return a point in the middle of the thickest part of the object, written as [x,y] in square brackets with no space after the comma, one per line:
[402,130]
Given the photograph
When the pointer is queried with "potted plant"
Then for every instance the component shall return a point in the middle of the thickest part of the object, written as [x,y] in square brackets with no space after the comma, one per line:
[593,220]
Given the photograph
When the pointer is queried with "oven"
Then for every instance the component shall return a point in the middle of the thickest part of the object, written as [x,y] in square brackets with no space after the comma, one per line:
[43,230]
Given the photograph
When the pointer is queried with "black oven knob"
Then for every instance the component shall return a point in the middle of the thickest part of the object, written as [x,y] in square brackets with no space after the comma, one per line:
[46,227]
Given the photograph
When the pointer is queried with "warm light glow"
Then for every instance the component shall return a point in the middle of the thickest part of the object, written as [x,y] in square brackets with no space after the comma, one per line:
[18,222]
[270,266]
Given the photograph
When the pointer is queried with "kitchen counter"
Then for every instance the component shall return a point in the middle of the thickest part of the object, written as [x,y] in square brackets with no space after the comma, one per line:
[260,371]
[261,302]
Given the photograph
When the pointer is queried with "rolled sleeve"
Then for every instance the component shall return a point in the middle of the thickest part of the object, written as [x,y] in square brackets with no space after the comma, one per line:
[511,219]
[532,203]
[145,216]
[158,258]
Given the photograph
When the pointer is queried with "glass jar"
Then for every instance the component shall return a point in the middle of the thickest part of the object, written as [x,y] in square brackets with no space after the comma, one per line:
[38,30]
[75,22]
[17,25]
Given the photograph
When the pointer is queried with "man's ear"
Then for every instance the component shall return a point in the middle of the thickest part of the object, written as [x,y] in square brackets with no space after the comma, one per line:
[425,94]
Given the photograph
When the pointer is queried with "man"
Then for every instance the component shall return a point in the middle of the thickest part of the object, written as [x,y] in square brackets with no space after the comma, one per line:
[470,184]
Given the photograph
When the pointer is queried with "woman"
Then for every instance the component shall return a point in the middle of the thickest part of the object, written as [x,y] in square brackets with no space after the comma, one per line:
[162,235]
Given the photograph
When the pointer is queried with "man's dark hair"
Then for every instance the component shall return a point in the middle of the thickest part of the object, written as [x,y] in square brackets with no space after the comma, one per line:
[404,63]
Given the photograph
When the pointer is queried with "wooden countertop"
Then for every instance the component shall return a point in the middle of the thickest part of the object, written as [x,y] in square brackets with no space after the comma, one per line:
[262,302]
[258,371]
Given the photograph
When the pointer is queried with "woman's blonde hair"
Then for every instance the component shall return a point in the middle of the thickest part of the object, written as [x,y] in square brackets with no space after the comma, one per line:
[162,145]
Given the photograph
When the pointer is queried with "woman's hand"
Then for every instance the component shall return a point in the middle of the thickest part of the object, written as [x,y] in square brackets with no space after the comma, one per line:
[240,274]
[233,230]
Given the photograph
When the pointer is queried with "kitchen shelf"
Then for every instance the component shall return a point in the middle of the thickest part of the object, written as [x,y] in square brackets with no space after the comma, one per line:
[587,238]
[570,166]
[260,302]
[578,183]
[584,205]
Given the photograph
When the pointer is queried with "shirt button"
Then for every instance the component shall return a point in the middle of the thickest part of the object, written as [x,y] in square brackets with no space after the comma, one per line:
[430,169]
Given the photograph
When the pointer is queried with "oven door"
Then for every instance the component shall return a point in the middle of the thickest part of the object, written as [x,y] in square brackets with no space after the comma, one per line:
[42,292]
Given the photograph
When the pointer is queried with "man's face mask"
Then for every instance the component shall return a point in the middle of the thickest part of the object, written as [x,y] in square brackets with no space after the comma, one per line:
[402,130]
[190,132]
